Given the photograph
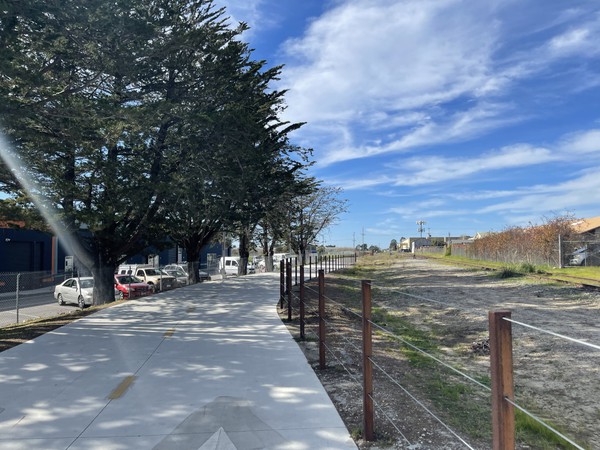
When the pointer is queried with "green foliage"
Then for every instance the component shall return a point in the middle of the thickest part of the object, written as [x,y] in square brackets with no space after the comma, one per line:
[529,430]
[141,119]
[508,272]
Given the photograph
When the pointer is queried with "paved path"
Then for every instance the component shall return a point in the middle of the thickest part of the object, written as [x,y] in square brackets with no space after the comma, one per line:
[209,366]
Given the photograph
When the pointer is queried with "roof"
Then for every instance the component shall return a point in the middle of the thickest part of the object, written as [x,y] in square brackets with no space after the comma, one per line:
[586,225]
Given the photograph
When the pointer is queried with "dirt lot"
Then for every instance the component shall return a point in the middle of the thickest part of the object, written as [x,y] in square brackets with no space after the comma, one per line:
[443,310]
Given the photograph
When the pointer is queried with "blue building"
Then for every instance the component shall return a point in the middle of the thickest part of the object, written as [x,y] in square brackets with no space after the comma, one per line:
[36,251]
[30,251]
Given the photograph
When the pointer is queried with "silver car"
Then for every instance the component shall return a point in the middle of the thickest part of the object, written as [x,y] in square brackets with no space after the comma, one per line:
[75,290]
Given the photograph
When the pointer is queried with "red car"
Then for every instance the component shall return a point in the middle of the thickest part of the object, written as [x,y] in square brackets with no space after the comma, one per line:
[132,287]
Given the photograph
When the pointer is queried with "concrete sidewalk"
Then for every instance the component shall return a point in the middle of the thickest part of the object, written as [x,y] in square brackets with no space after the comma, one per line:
[209,366]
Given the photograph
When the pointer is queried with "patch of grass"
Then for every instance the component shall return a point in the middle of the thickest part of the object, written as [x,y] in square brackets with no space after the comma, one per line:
[356,434]
[528,268]
[535,434]
[508,272]
[457,400]
[460,403]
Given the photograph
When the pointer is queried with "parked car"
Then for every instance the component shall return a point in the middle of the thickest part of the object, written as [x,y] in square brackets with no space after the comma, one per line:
[131,287]
[181,276]
[149,274]
[78,290]
[584,256]
[202,274]
[75,290]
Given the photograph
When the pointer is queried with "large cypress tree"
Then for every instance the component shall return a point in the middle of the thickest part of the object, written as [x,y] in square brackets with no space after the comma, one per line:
[99,101]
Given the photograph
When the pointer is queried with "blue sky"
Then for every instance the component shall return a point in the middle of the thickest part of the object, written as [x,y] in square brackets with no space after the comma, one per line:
[469,115]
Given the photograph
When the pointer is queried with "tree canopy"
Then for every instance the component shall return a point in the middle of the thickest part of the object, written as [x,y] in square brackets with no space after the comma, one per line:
[134,120]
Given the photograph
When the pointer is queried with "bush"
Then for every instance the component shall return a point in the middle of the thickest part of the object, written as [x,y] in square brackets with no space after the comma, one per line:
[508,272]
[527,268]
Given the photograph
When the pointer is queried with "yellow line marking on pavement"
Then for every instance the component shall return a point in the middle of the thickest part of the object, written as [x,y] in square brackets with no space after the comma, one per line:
[169,333]
[122,387]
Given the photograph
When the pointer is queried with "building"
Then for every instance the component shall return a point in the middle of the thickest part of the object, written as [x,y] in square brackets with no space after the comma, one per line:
[30,251]
[589,226]
[24,250]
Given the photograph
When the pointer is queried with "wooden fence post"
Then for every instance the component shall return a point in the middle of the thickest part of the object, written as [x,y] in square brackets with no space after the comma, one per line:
[302,302]
[288,276]
[281,284]
[321,319]
[503,415]
[368,410]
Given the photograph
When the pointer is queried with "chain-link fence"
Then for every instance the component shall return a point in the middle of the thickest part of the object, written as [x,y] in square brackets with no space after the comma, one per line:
[583,251]
[578,250]
[28,295]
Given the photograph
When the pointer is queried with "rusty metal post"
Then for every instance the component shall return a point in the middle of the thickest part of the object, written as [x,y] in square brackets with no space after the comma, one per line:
[296,271]
[368,410]
[281,284]
[301,302]
[503,415]
[288,276]
[321,319]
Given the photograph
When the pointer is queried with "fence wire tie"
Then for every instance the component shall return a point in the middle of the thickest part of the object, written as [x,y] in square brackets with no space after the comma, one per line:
[577,341]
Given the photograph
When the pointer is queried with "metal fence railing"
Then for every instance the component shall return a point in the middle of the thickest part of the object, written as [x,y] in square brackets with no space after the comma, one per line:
[28,295]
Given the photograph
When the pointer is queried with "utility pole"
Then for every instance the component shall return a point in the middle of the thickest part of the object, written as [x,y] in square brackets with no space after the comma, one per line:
[421,228]
[363,239]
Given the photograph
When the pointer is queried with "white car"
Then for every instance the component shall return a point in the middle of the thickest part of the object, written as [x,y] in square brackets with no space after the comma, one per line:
[75,290]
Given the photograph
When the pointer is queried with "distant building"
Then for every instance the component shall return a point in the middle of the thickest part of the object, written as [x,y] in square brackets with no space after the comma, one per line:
[30,251]
[37,251]
[587,226]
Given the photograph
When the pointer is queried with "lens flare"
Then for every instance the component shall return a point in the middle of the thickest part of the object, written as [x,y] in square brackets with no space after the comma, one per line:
[35,193]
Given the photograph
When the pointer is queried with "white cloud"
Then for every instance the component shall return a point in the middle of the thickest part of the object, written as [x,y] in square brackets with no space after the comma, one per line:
[436,169]
[458,126]
[585,142]
[367,55]
[425,71]
[566,196]
[430,170]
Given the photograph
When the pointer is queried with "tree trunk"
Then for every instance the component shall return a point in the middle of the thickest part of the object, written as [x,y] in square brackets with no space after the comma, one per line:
[244,253]
[193,256]
[104,283]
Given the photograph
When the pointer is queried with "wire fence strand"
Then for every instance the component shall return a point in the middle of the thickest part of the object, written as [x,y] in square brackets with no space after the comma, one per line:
[421,404]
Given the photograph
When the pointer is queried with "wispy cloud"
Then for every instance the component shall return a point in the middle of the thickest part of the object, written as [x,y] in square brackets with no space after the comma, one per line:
[425,71]
[565,196]
[431,170]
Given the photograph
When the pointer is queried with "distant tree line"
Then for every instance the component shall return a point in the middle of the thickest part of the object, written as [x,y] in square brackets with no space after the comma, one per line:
[134,121]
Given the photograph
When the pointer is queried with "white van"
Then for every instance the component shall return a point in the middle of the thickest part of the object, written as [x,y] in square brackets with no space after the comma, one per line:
[232,264]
